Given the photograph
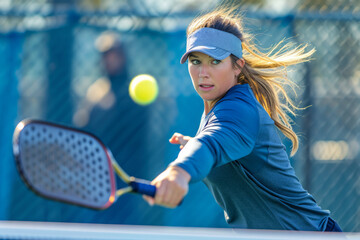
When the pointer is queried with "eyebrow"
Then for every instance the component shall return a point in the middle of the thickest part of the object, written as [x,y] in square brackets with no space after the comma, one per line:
[192,55]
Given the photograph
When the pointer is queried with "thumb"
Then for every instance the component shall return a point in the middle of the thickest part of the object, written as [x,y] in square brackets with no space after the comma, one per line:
[149,200]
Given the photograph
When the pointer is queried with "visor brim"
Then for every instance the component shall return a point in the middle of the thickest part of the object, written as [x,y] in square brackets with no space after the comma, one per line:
[216,53]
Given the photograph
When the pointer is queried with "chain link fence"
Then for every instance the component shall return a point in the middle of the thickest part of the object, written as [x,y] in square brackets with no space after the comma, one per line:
[71,63]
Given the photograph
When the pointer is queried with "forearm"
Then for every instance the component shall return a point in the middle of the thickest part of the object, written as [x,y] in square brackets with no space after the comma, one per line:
[196,159]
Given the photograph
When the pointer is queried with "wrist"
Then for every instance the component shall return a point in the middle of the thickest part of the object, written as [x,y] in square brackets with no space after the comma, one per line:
[178,171]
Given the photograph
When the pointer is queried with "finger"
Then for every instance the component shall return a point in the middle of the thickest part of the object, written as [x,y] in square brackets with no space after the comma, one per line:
[160,192]
[170,198]
[173,195]
[178,200]
[169,201]
[175,200]
[181,140]
[166,196]
[175,138]
[149,200]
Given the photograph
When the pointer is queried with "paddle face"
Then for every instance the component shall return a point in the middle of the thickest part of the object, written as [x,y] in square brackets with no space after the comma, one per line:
[64,164]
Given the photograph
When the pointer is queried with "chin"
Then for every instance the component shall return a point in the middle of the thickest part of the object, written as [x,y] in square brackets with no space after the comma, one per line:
[207,99]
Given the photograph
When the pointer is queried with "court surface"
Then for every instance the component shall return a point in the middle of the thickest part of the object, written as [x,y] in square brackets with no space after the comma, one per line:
[76,231]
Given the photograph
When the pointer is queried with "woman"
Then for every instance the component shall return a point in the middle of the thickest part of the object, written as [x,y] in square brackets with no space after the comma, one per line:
[237,151]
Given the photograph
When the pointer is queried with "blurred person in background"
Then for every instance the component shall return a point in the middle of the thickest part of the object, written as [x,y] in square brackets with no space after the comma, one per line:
[237,151]
[104,95]
[108,111]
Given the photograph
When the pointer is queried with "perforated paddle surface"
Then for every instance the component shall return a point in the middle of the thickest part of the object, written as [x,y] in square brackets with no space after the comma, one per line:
[64,164]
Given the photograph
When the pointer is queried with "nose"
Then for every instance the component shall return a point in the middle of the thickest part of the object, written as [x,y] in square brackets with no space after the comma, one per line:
[203,71]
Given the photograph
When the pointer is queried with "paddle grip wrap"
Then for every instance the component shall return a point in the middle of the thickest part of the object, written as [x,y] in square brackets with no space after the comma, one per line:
[142,187]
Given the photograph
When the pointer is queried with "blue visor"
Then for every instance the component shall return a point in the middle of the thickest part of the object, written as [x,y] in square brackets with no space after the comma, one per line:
[215,43]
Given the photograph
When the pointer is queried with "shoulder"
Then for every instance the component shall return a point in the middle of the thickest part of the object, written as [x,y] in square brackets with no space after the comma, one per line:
[238,104]
[234,122]
[237,112]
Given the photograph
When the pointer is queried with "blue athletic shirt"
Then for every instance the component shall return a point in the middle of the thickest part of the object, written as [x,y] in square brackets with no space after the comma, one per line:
[237,152]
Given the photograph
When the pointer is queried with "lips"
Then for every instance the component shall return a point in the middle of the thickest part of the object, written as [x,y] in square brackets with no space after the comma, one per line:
[206,87]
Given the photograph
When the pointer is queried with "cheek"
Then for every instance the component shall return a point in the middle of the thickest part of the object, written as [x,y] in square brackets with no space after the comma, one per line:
[192,70]
[226,76]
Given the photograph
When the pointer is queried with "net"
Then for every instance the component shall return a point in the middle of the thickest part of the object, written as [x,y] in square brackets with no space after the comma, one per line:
[76,231]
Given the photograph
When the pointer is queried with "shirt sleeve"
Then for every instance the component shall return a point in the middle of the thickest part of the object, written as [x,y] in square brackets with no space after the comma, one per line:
[229,135]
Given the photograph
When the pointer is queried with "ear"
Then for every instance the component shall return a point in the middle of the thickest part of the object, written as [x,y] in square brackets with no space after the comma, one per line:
[241,63]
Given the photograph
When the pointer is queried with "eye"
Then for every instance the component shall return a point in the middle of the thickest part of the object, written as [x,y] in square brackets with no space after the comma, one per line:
[216,62]
[194,61]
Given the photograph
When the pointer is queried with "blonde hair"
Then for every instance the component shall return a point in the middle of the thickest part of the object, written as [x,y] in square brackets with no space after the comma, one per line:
[266,73]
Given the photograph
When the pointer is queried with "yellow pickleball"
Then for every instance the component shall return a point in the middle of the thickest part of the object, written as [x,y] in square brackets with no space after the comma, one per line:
[143,89]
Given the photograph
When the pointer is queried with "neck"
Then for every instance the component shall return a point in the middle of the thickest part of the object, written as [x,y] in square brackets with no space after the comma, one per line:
[208,105]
